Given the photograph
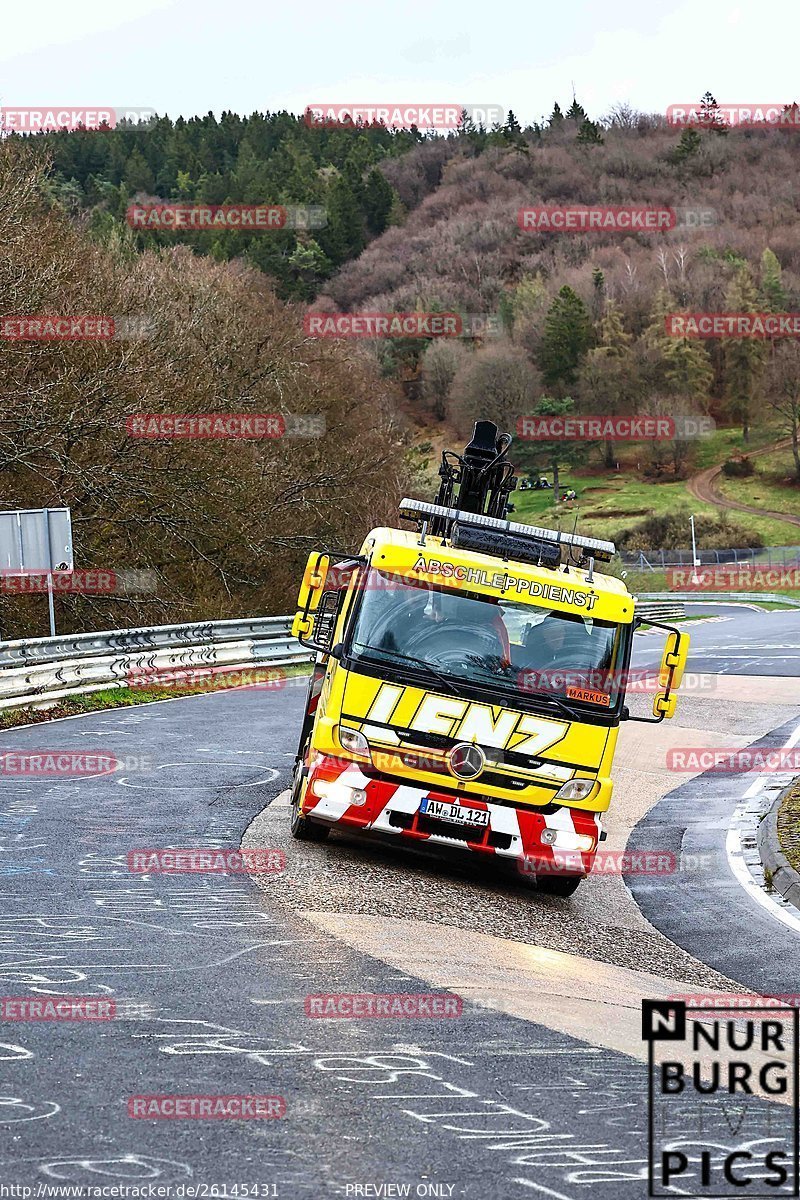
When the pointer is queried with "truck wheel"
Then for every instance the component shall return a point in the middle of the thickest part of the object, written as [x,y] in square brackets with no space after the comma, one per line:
[558,885]
[302,828]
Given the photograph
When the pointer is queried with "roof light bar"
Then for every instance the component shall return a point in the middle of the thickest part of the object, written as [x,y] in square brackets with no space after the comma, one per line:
[420,510]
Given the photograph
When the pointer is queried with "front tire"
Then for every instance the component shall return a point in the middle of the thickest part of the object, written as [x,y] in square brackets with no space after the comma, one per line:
[558,885]
[303,828]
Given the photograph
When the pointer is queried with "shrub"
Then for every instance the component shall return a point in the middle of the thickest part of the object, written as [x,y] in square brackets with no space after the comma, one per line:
[738,468]
[672,531]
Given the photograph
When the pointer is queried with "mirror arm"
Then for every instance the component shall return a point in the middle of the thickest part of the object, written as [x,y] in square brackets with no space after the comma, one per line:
[626,715]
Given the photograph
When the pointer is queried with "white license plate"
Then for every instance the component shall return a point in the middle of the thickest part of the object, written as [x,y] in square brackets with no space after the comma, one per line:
[458,814]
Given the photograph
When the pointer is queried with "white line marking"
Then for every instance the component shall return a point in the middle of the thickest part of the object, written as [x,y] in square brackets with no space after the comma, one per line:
[736,862]
[539,1187]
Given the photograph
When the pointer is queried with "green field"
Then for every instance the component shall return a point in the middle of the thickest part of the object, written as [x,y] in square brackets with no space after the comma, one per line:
[608,504]
[770,486]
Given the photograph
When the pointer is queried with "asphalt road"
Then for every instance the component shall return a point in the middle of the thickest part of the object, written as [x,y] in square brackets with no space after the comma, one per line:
[210,973]
[740,641]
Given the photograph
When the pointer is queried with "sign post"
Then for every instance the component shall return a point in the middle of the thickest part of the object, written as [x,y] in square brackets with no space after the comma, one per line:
[37,541]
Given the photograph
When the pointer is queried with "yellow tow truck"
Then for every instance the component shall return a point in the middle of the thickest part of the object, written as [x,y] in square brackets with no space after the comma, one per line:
[470,679]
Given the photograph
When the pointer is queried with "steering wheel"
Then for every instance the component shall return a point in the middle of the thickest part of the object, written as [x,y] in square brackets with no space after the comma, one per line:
[451,644]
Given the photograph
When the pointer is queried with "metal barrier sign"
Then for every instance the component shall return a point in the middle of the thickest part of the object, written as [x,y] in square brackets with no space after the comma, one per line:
[36,541]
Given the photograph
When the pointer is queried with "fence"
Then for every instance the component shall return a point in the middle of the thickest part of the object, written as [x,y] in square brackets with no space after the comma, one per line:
[657,560]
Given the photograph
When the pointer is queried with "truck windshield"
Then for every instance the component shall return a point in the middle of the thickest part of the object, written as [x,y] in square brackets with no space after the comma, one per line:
[497,643]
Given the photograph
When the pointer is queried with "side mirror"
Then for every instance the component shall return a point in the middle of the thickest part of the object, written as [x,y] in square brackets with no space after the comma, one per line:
[673,660]
[312,624]
[670,674]
[664,704]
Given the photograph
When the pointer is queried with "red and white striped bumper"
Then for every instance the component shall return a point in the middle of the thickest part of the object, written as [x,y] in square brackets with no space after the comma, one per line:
[393,808]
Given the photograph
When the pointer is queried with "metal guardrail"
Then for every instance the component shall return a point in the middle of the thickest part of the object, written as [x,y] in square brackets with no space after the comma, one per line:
[653,610]
[722,597]
[37,672]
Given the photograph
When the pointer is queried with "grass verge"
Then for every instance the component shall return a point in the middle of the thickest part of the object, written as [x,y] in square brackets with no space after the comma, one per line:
[789,825]
[124,697]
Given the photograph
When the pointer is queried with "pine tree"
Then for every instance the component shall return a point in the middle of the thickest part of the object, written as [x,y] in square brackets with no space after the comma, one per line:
[556,454]
[773,293]
[607,374]
[744,358]
[683,368]
[576,112]
[138,176]
[589,134]
[309,266]
[710,115]
[512,133]
[567,337]
[343,237]
[598,293]
[378,197]
[613,340]
[689,143]
[556,116]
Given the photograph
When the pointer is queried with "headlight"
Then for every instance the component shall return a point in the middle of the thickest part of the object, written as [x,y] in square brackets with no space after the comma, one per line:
[576,789]
[354,741]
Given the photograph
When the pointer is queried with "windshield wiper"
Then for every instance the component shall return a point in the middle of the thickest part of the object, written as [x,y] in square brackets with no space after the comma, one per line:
[499,690]
[418,662]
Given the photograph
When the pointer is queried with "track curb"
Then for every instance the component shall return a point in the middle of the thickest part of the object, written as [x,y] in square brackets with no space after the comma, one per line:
[785,879]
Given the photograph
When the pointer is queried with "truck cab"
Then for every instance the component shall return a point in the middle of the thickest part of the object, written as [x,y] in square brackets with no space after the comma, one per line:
[468,686]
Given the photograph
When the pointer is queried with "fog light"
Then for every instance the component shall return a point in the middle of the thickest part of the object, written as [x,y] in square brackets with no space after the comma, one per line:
[567,839]
[575,789]
[339,793]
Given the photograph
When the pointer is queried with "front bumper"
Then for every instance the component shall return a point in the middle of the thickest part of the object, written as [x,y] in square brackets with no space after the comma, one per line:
[392,807]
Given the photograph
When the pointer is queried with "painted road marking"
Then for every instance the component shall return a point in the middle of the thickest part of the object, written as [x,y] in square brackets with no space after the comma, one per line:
[735,852]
